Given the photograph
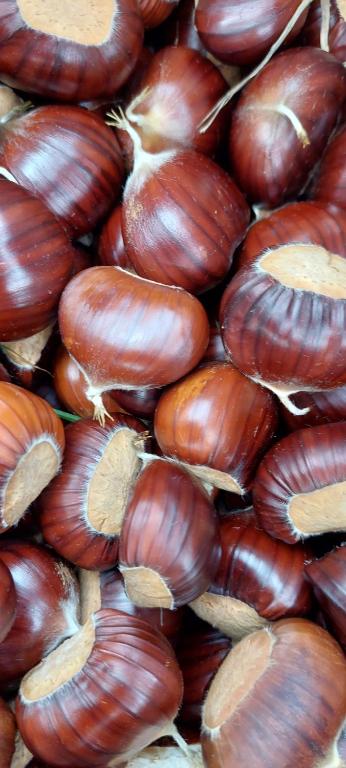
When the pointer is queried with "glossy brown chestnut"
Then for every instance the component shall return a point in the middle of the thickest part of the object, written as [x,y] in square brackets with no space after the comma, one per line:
[303,222]
[83,508]
[178,89]
[154,12]
[8,601]
[258,580]
[78,52]
[330,183]
[183,218]
[47,607]
[67,157]
[336,38]
[217,422]
[111,248]
[106,590]
[71,387]
[36,263]
[169,543]
[7,735]
[279,699]
[284,317]
[128,333]
[215,352]
[322,408]
[282,123]
[139,402]
[241,32]
[300,484]
[328,577]
[124,690]
[31,446]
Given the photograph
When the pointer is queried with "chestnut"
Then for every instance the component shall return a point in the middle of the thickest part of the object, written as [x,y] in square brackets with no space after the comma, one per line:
[154,12]
[79,51]
[7,735]
[218,424]
[24,356]
[283,320]
[47,607]
[111,248]
[169,542]
[259,580]
[328,577]
[82,510]
[330,179]
[31,446]
[107,590]
[127,333]
[300,484]
[278,699]
[316,408]
[71,387]
[336,34]
[103,695]
[282,123]
[8,601]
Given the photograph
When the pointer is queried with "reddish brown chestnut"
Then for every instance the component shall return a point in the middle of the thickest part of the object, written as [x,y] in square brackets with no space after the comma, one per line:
[129,333]
[81,51]
[47,607]
[279,699]
[67,157]
[336,34]
[330,182]
[36,262]
[300,485]
[258,580]
[328,576]
[154,12]
[71,387]
[31,446]
[111,248]
[284,317]
[7,735]
[8,601]
[282,123]
[217,422]
[83,508]
[114,687]
[169,543]
[317,408]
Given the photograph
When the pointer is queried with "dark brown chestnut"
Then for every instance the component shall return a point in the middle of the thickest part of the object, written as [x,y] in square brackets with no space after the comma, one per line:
[218,424]
[258,580]
[278,699]
[114,687]
[80,51]
[83,508]
[330,182]
[47,607]
[111,248]
[335,40]
[169,543]
[282,123]
[328,577]
[7,735]
[8,601]
[300,485]
[317,408]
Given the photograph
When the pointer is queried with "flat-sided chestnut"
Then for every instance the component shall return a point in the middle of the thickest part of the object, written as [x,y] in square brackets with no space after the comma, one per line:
[278,699]
[83,508]
[47,607]
[8,601]
[83,50]
[284,319]
[36,263]
[258,580]
[282,122]
[106,590]
[300,485]
[330,182]
[7,735]
[169,543]
[67,157]
[328,576]
[103,695]
[217,422]
[31,446]
[127,333]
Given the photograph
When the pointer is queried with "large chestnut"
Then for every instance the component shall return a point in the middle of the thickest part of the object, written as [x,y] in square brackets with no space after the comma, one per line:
[7,735]
[83,50]
[300,484]
[83,508]
[31,446]
[103,695]
[47,607]
[169,543]
[282,122]
[278,699]
[125,332]
[328,577]
[330,181]
[259,580]
[218,423]
[284,317]
[8,601]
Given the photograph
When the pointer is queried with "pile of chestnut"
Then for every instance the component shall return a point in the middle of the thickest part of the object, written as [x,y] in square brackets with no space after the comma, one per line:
[172,383]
